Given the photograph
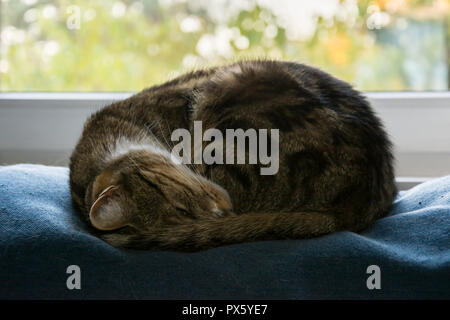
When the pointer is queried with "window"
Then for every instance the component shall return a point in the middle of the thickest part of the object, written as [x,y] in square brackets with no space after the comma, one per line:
[127,45]
[61,60]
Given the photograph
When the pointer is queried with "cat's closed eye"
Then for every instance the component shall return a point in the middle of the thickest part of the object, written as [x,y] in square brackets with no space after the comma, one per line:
[183,211]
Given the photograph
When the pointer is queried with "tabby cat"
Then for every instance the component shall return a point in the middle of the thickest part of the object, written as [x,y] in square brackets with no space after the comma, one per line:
[335,161]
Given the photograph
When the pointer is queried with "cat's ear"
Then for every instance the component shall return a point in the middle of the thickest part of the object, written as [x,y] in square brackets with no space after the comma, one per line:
[108,211]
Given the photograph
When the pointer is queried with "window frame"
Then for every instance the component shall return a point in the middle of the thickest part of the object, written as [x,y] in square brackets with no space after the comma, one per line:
[40,125]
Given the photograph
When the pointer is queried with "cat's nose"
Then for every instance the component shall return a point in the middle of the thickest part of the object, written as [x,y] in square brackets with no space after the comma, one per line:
[222,209]
[221,212]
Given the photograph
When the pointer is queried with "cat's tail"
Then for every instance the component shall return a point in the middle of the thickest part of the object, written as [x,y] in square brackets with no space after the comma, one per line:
[207,233]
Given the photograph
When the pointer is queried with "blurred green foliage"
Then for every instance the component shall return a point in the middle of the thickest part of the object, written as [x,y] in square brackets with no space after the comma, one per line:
[127,45]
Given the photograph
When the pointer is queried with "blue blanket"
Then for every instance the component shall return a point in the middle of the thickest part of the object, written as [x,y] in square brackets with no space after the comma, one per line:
[41,236]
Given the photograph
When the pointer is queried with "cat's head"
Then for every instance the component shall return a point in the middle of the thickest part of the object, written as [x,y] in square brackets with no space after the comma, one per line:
[143,190]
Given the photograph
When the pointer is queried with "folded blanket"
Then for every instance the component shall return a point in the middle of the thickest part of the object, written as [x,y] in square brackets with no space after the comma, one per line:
[41,236]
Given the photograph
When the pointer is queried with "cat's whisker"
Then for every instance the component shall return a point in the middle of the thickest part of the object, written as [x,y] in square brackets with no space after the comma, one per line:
[169,132]
[164,136]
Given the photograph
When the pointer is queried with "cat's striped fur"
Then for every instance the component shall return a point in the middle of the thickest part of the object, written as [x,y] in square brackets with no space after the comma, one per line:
[335,161]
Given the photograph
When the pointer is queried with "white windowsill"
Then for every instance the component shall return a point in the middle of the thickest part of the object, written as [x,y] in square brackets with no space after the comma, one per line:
[43,127]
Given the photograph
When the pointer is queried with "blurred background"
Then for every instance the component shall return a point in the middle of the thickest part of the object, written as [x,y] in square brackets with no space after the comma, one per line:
[128,45]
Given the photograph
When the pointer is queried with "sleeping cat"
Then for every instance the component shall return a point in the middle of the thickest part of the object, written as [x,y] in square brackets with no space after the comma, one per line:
[335,162]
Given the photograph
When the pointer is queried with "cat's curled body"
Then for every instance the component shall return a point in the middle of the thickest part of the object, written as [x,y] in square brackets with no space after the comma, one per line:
[335,161]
